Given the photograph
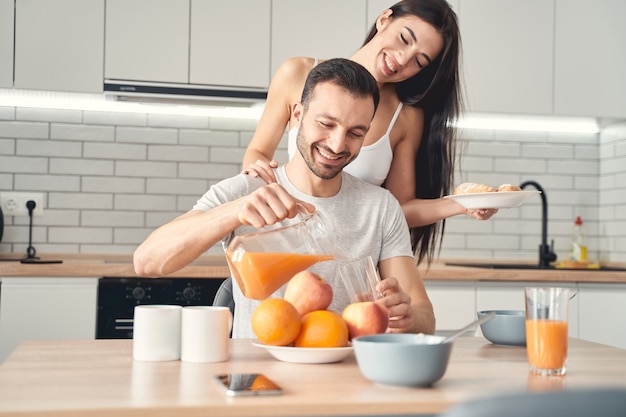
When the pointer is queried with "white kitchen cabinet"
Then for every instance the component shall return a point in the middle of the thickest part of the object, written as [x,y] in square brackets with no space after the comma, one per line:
[230,43]
[603,313]
[59,45]
[508,55]
[590,58]
[454,303]
[322,29]
[6,43]
[46,308]
[148,40]
[511,296]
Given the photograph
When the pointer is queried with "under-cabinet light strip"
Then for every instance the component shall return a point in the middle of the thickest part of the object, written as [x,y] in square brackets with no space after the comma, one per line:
[98,102]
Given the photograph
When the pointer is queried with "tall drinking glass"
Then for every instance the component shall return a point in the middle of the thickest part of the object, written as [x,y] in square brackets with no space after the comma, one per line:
[547,329]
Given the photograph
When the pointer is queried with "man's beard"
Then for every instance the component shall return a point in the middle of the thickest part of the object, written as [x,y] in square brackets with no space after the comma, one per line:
[324,171]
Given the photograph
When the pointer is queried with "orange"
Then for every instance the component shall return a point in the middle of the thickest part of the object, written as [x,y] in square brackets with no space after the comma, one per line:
[276,322]
[322,328]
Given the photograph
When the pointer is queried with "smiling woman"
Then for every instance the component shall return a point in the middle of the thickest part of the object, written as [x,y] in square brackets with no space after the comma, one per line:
[412,51]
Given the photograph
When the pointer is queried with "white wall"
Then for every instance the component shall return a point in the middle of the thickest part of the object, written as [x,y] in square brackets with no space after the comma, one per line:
[111,178]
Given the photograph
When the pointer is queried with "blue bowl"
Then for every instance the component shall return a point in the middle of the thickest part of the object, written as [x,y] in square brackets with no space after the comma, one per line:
[402,359]
[508,327]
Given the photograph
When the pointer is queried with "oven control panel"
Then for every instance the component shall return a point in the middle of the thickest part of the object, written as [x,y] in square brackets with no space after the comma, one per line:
[117,298]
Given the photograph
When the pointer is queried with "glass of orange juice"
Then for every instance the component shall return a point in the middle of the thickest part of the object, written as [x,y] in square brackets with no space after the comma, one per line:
[547,329]
[264,261]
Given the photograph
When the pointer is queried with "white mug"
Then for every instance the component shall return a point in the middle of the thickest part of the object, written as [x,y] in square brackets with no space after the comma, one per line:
[205,333]
[156,332]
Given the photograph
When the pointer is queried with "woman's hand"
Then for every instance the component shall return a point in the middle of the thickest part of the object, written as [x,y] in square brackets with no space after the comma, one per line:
[262,169]
[481,214]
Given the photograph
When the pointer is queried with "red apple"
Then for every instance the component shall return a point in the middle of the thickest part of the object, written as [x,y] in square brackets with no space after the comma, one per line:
[365,317]
[307,291]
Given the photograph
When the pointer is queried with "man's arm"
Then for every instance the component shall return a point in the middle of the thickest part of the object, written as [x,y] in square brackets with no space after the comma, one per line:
[177,243]
[405,297]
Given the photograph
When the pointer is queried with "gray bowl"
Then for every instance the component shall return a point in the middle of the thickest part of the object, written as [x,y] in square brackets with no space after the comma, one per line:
[508,327]
[412,360]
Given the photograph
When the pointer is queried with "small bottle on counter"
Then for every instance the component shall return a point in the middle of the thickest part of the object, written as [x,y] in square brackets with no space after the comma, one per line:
[578,250]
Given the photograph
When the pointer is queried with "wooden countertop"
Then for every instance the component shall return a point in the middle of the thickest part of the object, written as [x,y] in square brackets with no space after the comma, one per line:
[79,265]
[214,266]
[100,378]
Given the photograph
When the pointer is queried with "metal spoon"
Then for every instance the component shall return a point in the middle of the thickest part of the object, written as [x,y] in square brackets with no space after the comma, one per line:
[469,326]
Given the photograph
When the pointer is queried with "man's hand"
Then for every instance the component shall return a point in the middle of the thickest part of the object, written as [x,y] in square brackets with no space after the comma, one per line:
[398,306]
[269,205]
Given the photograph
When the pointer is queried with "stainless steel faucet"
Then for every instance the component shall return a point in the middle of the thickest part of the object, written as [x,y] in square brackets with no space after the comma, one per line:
[546,252]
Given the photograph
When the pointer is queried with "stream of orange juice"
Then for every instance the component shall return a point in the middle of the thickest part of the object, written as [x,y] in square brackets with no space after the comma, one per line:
[259,274]
[546,343]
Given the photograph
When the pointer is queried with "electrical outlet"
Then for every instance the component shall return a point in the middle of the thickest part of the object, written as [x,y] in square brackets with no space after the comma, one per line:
[14,203]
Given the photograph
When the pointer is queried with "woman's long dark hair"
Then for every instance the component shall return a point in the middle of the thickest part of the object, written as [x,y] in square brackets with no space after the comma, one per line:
[436,90]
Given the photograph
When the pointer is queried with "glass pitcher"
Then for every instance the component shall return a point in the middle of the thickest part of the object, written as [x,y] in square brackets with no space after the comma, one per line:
[264,261]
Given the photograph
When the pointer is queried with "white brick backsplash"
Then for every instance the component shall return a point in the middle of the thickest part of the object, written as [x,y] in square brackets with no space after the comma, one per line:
[23,164]
[49,115]
[130,235]
[117,218]
[30,147]
[80,201]
[166,120]
[146,135]
[113,185]
[145,202]
[234,155]
[82,132]
[176,186]
[521,136]
[477,163]
[586,182]
[210,171]
[573,167]
[115,118]
[80,235]
[7,113]
[6,181]
[7,146]
[32,130]
[178,153]
[564,137]
[46,182]
[115,151]
[81,166]
[208,137]
[159,218]
[481,148]
[521,165]
[542,151]
[219,123]
[111,178]
[145,169]
[56,217]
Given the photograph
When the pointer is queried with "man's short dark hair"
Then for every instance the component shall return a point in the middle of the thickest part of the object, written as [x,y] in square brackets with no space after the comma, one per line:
[351,76]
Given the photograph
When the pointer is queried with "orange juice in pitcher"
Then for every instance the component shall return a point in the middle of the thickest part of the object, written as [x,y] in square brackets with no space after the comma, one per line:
[262,262]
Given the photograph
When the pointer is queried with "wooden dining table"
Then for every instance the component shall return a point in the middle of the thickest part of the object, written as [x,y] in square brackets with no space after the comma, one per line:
[100,378]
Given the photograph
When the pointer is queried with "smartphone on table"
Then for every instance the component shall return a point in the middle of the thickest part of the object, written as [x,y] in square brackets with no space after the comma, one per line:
[236,385]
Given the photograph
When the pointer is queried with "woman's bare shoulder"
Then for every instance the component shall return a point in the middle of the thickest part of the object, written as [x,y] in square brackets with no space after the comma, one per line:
[296,68]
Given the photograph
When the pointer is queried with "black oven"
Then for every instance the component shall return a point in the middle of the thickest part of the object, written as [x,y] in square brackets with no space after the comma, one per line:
[117,298]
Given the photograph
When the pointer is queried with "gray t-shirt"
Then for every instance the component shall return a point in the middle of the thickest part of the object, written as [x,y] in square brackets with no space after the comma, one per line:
[364,219]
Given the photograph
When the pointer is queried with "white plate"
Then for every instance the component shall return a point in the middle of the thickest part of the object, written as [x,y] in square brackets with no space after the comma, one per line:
[305,354]
[494,200]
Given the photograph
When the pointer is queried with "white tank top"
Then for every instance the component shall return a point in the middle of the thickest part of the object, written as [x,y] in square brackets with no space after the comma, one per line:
[374,161]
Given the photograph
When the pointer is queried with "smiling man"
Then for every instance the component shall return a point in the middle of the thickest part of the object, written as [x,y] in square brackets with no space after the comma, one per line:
[338,103]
